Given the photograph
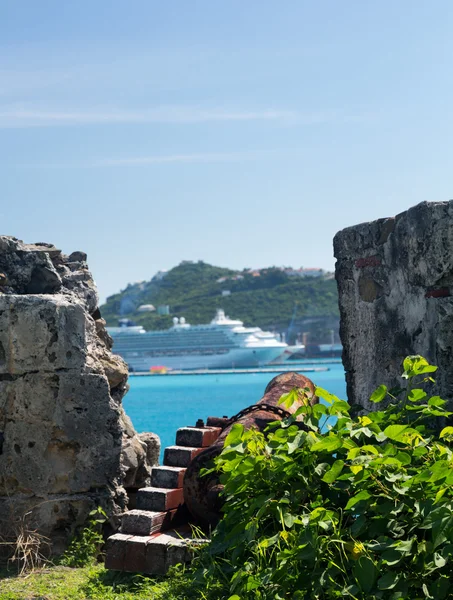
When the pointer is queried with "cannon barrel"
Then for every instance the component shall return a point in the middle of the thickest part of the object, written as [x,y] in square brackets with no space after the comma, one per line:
[202,494]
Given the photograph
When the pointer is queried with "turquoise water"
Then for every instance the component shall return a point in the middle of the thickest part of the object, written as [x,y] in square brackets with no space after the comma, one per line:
[161,404]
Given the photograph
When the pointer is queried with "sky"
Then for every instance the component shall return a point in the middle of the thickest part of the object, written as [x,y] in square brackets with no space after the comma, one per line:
[244,134]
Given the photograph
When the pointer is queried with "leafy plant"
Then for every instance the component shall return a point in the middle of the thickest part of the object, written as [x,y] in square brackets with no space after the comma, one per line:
[85,548]
[361,510]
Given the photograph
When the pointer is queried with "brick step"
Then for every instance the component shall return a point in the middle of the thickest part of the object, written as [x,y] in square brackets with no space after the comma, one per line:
[180,456]
[159,499]
[146,522]
[167,477]
[197,437]
[151,554]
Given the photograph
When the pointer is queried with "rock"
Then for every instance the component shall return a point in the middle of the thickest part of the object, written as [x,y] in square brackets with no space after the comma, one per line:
[395,282]
[66,445]
[152,442]
[77,257]
[102,332]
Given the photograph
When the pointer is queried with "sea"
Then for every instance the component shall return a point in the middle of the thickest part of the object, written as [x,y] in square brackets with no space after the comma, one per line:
[163,403]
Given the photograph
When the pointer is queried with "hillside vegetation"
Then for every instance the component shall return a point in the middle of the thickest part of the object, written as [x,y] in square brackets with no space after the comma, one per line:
[192,290]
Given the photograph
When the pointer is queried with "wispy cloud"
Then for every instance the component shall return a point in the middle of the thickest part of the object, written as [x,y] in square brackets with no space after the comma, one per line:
[176,158]
[31,117]
[156,159]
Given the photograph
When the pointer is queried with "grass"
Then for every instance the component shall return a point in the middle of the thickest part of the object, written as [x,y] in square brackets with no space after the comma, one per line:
[96,583]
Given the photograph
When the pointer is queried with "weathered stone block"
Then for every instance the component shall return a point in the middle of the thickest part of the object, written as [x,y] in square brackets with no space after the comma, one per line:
[159,499]
[167,477]
[115,551]
[66,445]
[135,558]
[41,333]
[197,437]
[180,456]
[55,438]
[146,522]
[152,442]
[395,282]
[164,551]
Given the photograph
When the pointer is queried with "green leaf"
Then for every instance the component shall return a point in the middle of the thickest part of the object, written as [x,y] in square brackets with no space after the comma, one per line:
[416,365]
[388,581]
[392,556]
[440,588]
[325,395]
[416,395]
[288,519]
[235,434]
[404,458]
[436,401]
[290,398]
[439,470]
[365,573]
[339,407]
[446,432]
[252,583]
[440,521]
[319,409]
[439,560]
[329,444]
[363,495]
[379,394]
[321,468]
[297,442]
[400,433]
[333,473]
[440,494]
[266,542]
[394,432]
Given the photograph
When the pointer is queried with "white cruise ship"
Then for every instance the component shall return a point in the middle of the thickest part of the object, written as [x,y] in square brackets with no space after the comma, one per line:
[222,344]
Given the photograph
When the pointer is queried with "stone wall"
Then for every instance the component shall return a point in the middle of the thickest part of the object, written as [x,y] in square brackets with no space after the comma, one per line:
[66,444]
[395,281]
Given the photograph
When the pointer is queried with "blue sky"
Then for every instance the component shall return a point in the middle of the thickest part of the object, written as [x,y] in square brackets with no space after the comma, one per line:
[241,133]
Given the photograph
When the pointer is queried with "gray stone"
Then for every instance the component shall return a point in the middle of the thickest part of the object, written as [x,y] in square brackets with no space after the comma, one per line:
[115,551]
[395,282]
[77,256]
[179,456]
[41,333]
[167,477]
[190,436]
[169,549]
[152,442]
[66,445]
[159,499]
[141,522]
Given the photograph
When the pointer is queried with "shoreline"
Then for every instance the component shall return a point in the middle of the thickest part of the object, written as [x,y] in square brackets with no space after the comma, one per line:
[275,369]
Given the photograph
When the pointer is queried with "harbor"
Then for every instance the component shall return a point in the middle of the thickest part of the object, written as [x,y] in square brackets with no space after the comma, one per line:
[162,404]
[273,369]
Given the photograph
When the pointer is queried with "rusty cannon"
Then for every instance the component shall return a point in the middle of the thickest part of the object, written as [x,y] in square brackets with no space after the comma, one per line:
[202,494]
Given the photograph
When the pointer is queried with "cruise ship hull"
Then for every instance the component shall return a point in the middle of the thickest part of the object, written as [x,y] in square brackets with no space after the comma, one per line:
[222,344]
[234,358]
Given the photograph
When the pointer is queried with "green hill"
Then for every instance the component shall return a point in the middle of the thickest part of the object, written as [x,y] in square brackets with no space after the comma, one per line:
[193,290]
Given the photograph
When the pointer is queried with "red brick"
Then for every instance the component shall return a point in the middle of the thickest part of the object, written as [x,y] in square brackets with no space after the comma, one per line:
[146,522]
[197,437]
[167,477]
[166,550]
[115,551]
[180,456]
[135,559]
[368,261]
[159,499]
[438,293]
